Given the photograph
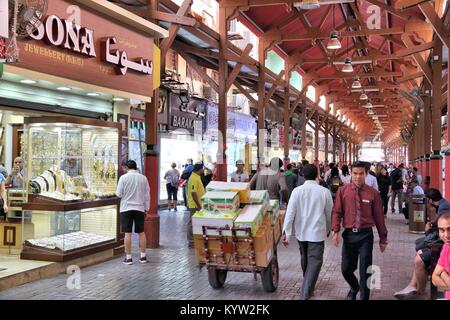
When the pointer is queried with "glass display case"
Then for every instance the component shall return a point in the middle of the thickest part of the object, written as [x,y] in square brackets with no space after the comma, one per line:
[71,174]
[71,161]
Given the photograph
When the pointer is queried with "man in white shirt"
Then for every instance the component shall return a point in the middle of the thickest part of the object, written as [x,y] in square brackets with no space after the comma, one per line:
[309,210]
[371,180]
[240,175]
[134,191]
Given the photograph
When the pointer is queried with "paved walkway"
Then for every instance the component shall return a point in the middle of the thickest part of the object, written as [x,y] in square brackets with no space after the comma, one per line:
[173,274]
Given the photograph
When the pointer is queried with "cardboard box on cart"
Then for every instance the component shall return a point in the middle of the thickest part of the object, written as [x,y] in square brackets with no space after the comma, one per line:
[243,188]
[263,245]
[220,201]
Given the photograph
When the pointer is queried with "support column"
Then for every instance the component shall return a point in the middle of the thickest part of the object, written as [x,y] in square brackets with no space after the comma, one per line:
[151,226]
[316,139]
[410,157]
[447,153]
[347,151]
[287,77]
[427,134]
[420,145]
[436,159]
[261,102]
[327,130]
[340,151]
[350,152]
[223,75]
[334,143]
[151,158]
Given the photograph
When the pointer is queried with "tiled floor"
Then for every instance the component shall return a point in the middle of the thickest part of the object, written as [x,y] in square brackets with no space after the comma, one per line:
[173,273]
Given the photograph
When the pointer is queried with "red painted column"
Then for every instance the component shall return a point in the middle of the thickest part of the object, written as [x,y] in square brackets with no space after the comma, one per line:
[435,171]
[151,226]
[435,159]
[152,218]
[447,170]
[447,153]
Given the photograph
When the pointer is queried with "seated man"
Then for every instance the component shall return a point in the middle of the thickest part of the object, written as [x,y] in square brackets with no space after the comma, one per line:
[422,261]
[441,274]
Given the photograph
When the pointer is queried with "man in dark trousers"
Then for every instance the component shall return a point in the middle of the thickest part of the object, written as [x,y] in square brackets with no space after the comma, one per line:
[309,211]
[358,208]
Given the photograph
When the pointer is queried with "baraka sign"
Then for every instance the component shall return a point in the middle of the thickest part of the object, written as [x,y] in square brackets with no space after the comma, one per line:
[94,50]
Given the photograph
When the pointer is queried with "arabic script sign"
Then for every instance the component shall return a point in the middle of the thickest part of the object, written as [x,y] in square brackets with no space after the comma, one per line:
[84,52]
[186,116]
[120,59]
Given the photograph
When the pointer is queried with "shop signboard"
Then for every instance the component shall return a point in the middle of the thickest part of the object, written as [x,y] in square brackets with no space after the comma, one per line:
[239,125]
[188,117]
[290,136]
[163,107]
[4,19]
[98,51]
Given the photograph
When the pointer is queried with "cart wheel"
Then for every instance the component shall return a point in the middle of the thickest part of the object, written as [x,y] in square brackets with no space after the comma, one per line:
[216,277]
[269,276]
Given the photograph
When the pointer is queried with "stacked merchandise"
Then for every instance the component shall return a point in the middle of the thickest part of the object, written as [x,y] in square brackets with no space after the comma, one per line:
[259,197]
[274,213]
[214,201]
[220,209]
[251,216]
[242,188]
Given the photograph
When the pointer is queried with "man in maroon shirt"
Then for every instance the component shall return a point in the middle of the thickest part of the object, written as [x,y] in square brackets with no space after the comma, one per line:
[358,207]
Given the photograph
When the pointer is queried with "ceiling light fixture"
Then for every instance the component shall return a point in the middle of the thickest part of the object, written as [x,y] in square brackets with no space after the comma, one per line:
[356,84]
[334,43]
[363,96]
[93,94]
[347,65]
[118,99]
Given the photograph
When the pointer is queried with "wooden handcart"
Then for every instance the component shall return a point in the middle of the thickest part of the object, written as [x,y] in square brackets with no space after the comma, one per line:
[236,249]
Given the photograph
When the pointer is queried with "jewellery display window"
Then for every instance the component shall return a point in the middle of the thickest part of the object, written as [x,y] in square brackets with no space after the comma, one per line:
[70,183]
[71,161]
[64,235]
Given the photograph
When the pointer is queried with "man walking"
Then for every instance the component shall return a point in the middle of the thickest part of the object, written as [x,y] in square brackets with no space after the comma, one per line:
[358,207]
[134,191]
[397,188]
[309,210]
[195,192]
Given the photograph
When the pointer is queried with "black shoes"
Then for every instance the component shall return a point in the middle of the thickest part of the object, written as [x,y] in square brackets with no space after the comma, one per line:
[352,294]
[128,261]
[143,260]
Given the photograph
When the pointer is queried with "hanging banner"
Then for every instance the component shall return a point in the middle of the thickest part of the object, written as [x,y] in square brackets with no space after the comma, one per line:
[4,19]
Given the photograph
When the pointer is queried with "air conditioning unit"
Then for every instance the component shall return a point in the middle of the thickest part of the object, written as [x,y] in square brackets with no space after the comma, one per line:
[207,91]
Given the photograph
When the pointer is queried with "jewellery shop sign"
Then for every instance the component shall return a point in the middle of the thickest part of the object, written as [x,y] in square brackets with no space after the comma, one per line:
[96,51]
[189,117]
